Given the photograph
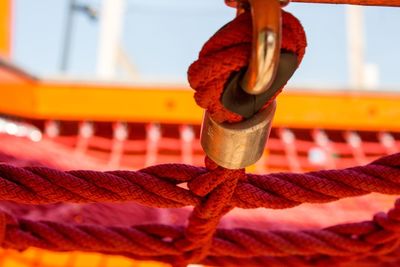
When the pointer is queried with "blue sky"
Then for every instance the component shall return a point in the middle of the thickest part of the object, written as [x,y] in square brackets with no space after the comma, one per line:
[163,37]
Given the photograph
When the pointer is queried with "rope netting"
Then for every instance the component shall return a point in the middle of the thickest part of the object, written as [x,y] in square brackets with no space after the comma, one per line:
[212,191]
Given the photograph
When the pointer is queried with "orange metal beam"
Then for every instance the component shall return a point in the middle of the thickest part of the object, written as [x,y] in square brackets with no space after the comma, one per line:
[99,102]
[111,102]
[5,28]
[339,110]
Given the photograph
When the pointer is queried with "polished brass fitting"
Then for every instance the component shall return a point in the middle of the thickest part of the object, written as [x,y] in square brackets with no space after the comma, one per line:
[237,145]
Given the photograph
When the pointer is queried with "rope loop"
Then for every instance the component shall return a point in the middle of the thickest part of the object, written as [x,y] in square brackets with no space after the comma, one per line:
[228,52]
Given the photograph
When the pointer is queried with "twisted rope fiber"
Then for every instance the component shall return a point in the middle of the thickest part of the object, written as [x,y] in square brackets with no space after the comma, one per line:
[379,236]
[158,186]
[370,238]
[213,191]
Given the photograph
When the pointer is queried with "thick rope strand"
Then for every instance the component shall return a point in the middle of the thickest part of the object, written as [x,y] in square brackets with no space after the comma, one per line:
[158,186]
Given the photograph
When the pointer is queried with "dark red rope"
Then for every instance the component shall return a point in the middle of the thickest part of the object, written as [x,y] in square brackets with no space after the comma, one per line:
[364,239]
[159,186]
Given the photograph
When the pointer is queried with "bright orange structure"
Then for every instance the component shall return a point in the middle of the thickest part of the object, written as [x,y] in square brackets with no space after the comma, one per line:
[5,28]
[25,97]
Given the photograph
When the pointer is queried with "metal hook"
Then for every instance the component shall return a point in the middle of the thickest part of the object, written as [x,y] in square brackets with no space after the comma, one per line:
[267,28]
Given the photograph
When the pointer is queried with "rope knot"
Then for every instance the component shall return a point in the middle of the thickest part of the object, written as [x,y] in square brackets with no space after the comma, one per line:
[216,188]
[388,221]
[388,230]
[207,182]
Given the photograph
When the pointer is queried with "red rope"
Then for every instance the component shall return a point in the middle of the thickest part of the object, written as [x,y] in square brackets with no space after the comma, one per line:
[158,186]
[229,51]
[42,186]
[213,191]
[365,239]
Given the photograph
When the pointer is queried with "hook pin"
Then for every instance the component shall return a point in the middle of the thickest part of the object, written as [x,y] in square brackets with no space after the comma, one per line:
[267,29]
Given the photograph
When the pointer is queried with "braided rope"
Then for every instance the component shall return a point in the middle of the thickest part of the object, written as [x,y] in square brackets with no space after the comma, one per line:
[158,186]
[377,237]
[199,242]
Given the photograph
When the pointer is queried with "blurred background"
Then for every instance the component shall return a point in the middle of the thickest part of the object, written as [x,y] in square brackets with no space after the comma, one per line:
[156,40]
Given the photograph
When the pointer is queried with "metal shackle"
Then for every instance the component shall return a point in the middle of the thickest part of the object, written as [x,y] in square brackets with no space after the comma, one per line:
[237,145]
[266,45]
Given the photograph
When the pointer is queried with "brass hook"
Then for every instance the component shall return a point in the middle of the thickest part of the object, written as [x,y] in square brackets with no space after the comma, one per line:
[267,28]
